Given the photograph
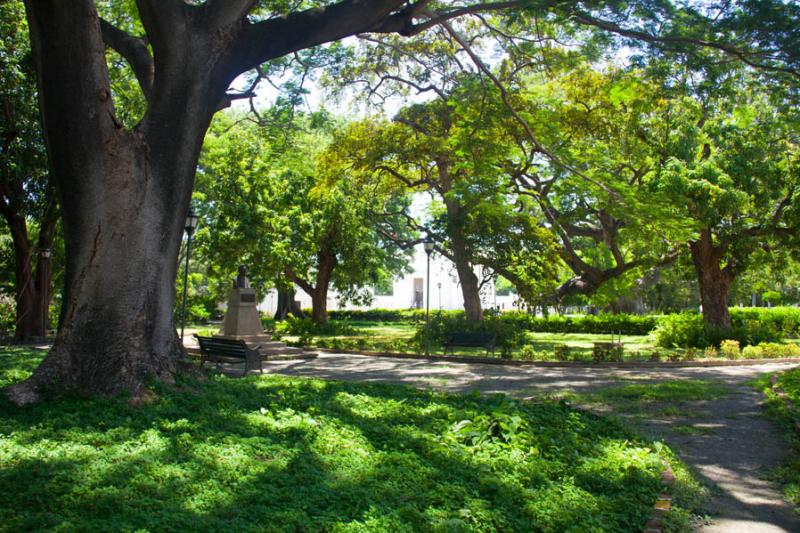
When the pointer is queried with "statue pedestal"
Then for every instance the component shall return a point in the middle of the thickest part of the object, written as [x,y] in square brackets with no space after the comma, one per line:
[241,318]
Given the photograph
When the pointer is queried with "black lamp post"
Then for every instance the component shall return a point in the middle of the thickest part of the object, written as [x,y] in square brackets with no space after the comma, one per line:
[44,267]
[428,245]
[191,225]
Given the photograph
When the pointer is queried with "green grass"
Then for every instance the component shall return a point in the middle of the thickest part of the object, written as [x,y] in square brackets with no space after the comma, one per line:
[270,453]
[788,475]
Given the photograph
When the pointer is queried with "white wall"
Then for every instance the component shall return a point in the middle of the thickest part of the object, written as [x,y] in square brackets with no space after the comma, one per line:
[442,271]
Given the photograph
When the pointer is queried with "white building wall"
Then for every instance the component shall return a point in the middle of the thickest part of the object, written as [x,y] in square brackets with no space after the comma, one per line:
[447,297]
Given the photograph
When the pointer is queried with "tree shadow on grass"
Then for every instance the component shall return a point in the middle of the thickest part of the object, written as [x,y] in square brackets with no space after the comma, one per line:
[290,454]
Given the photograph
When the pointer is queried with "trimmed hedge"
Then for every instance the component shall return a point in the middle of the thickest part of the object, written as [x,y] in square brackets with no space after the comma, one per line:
[751,325]
[624,324]
[382,315]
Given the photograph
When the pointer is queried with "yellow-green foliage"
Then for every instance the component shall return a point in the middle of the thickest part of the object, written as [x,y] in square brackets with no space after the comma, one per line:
[730,348]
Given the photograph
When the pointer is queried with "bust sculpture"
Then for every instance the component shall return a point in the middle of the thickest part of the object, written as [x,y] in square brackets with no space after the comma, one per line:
[240,281]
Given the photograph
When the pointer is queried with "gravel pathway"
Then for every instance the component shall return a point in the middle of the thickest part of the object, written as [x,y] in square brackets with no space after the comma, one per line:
[732,450]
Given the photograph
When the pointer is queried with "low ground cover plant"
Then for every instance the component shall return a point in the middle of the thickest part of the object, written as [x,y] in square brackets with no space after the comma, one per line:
[290,454]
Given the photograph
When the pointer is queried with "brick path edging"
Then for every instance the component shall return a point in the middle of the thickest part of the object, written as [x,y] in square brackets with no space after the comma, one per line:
[663,503]
[515,362]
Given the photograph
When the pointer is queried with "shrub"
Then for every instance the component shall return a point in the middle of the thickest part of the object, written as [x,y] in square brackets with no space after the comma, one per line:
[685,330]
[599,324]
[381,315]
[771,350]
[730,348]
[306,327]
[711,352]
[606,351]
[783,319]
[752,352]
[8,313]
[529,353]
[563,352]
[443,325]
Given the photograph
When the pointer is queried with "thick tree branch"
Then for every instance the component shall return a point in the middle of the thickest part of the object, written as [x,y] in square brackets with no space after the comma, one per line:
[278,37]
[300,282]
[162,20]
[135,52]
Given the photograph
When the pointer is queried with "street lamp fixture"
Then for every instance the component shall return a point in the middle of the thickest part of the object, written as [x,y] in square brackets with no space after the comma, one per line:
[44,268]
[428,244]
[191,225]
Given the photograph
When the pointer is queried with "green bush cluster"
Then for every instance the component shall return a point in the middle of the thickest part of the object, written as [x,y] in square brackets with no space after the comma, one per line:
[603,352]
[8,314]
[771,350]
[688,330]
[604,323]
[382,315]
[782,319]
[306,329]
[443,325]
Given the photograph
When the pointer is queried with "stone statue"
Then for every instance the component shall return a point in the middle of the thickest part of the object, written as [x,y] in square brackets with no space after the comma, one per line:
[240,281]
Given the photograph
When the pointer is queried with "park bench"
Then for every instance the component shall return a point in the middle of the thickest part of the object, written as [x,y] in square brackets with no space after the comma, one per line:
[471,339]
[218,351]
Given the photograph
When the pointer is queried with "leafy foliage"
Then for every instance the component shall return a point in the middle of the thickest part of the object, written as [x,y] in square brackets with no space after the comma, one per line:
[750,326]
[299,454]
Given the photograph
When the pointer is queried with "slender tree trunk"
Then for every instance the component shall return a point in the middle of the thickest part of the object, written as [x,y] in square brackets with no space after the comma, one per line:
[287,305]
[326,263]
[33,289]
[470,289]
[27,323]
[714,282]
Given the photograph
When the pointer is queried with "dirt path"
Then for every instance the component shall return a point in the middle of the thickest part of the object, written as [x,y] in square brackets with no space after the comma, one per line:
[730,445]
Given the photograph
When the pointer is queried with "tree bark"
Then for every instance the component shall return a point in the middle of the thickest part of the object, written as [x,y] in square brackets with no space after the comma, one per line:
[470,289]
[714,281]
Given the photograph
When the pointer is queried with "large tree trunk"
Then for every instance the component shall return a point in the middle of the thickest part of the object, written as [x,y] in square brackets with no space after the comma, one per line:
[470,288]
[714,282]
[124,195]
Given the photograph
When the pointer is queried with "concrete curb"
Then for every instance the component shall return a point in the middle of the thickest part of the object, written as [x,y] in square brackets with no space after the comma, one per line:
[558,364]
